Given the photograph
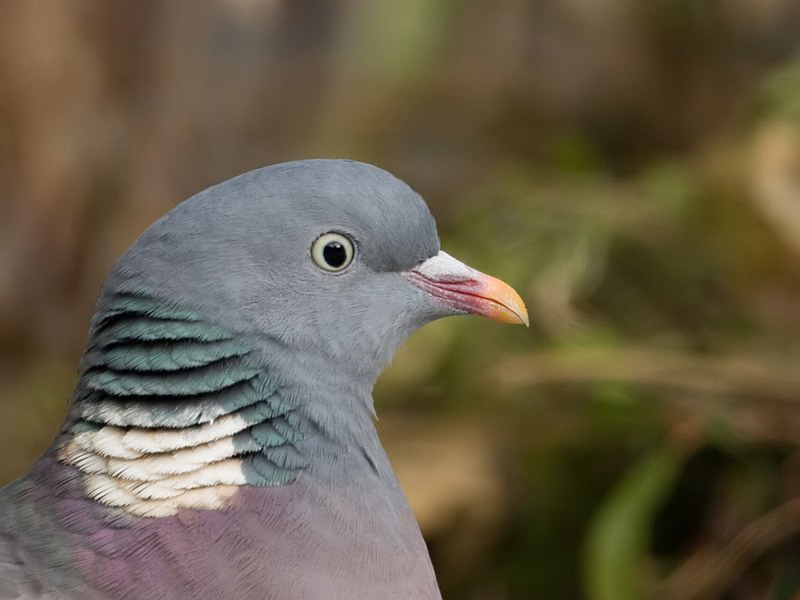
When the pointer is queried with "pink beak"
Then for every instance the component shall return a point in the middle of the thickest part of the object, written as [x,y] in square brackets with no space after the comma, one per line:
[467,290]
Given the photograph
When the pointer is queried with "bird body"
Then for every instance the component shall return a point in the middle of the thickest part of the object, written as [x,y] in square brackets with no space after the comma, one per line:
[220,439]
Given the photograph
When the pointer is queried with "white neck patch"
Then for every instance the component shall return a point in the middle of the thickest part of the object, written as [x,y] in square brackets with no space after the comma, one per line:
[157,472]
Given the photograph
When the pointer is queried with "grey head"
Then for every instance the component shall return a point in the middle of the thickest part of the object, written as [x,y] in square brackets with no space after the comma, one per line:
[243,253]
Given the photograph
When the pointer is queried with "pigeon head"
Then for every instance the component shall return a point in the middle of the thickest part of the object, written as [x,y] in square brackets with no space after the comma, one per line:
[334,260]
[238,340]
[220,440]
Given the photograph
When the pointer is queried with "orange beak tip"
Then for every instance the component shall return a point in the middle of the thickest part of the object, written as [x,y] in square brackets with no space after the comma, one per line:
[508,306]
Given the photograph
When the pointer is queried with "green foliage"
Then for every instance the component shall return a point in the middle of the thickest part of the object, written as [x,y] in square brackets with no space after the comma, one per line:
[781,93]
[618,540]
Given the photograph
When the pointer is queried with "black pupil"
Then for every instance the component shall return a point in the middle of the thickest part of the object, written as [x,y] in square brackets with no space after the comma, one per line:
[335,254]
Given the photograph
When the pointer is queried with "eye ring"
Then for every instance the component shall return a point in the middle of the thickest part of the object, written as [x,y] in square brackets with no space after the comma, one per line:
[333,251]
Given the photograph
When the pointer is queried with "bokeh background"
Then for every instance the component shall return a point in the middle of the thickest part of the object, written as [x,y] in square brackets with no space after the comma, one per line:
[633,168]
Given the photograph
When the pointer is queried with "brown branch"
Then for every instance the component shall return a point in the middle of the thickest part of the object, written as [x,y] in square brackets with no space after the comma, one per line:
[731,376]
[709,572]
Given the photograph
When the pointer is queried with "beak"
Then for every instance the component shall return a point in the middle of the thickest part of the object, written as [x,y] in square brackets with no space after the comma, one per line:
[465,290]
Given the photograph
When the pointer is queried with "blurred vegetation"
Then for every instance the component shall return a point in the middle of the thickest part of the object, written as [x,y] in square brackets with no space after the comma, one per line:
[633,168]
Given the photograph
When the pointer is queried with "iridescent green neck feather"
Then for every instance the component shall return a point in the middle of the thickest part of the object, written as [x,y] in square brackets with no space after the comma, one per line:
[174,412]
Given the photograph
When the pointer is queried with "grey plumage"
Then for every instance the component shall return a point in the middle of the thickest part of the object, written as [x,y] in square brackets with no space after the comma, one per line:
[219,442]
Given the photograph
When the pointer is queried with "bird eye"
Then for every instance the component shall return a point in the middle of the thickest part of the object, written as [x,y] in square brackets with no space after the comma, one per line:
[333,251]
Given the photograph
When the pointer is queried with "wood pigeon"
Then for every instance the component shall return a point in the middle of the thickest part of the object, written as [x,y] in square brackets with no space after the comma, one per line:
[220,440]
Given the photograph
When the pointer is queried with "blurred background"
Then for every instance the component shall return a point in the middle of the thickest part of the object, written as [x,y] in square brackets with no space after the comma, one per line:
[633,168]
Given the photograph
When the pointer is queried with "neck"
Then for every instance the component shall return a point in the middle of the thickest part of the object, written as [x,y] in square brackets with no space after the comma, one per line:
[174,412]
